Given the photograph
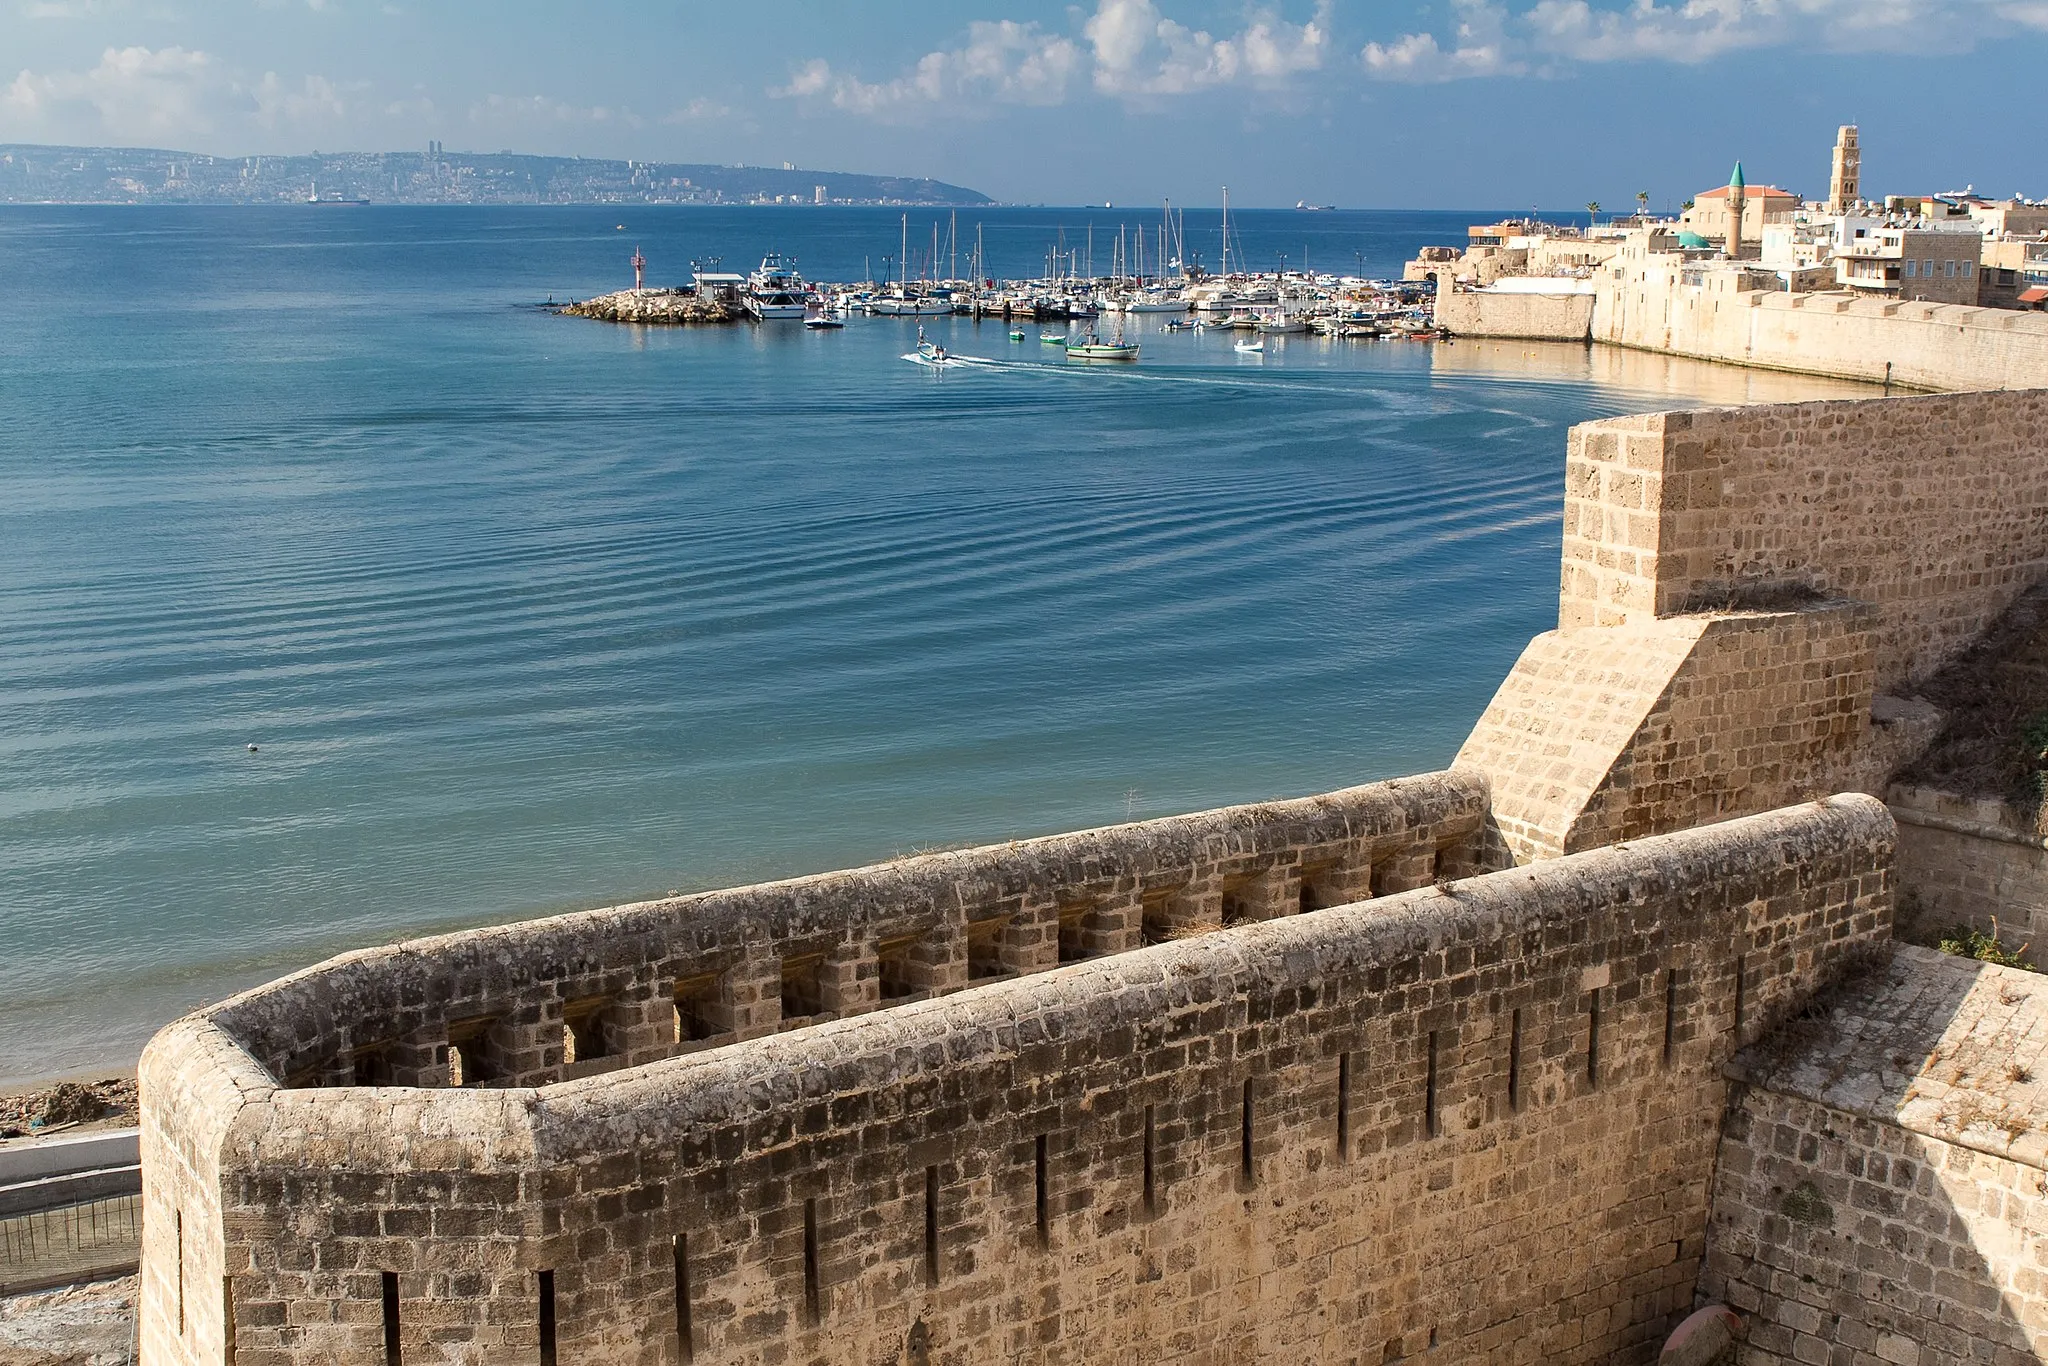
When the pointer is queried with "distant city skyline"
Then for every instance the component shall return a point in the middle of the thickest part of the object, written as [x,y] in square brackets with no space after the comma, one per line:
[1452,103]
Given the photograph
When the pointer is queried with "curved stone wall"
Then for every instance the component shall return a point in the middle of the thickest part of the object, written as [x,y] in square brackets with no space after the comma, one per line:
[550,1000]
[1318,1138]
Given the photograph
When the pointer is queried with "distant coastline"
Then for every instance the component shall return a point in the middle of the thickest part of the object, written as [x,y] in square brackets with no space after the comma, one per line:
[38,174]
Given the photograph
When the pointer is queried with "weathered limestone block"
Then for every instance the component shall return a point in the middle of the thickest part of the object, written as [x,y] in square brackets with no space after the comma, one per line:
[1613,733]
[1308,1138]
[1881,1179]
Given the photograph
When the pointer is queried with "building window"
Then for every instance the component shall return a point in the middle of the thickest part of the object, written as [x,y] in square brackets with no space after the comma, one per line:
[1912,269]
[1969,268]
[1949,269]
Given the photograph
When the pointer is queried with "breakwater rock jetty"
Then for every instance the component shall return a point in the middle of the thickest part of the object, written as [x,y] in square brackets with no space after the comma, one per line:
[667,306]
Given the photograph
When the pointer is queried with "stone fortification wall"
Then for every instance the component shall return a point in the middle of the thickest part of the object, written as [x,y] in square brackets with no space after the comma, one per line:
[1606,735]
[1880,1189]
[1526,317]
[1970,861]
[1934,510]
[548,1000]
[1648,302]
[1742,589]
[1314,1139]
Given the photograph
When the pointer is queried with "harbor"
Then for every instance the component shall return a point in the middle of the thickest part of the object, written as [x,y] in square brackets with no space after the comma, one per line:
[1153,277]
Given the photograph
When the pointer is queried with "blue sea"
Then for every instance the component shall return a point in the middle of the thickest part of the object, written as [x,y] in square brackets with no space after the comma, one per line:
[524,613]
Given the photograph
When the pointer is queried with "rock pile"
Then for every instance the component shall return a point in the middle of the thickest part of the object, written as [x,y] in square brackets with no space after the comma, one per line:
[665,306]
[70,1102]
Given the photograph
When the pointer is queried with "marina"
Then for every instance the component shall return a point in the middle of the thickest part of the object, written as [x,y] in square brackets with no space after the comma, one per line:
[1165,279]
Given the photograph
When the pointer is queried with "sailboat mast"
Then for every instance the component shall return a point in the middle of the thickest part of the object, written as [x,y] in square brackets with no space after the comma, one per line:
[953,247]
[903,257]
[1226,231]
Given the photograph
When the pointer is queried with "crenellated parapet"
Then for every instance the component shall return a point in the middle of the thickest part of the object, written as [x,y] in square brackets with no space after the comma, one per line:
[550,1000]
[1298,1138]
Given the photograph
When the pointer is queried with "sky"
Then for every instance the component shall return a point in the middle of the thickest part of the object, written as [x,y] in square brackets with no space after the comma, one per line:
[1358,103]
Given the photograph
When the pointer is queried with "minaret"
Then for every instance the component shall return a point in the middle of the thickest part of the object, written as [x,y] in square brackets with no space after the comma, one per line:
[1845,186]
[1737,197]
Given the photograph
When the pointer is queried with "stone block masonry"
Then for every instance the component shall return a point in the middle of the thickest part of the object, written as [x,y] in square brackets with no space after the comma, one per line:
[1970,861]
[1524,317]
[1881,1194]
[1743,590]
[1477,1119]
[1934,510]
[1634,730]
[1924,345]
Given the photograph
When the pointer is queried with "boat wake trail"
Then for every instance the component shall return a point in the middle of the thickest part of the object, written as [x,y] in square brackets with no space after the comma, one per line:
[954,362]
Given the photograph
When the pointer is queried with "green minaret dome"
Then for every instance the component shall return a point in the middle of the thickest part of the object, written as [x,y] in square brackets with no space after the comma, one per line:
[1736,182]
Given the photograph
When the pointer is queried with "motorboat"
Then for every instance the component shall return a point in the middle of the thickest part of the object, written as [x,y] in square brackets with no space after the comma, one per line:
[824,322]
[1251,348]
[776,291]
[1155,301]
[1053,338]
[1017,334]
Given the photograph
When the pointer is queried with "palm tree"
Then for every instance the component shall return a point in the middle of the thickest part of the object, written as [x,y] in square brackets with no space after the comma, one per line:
[1642,205]
[1592,212]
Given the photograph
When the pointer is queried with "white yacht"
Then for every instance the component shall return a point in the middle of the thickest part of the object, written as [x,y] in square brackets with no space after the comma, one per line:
[776,290]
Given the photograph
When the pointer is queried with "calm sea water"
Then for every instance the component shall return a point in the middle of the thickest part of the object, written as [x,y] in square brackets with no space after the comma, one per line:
[527,613]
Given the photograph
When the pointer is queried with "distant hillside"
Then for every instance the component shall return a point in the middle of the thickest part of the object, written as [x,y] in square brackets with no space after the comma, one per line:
[101,175]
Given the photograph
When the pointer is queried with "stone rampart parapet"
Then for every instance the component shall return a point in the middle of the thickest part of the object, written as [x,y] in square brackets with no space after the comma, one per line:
[1302,1139]
[549,1000]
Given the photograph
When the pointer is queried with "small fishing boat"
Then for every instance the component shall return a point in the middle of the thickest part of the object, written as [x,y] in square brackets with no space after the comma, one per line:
[824,322]
[1251,348]
[1053,338]
[1017,335]
[1092,347]
[1177,325]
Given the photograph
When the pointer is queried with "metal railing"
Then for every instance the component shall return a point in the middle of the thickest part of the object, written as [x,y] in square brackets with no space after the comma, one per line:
[75,1242]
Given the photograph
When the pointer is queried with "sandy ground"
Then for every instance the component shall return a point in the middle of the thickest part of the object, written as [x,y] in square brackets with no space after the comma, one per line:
[27,1112]
[80,1325]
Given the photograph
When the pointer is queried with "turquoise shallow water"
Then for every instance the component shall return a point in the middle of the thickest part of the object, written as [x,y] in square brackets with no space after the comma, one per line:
[527,613]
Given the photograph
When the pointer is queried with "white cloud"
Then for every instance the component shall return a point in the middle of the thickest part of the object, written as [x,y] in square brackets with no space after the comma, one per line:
[167,96]
[1690,31]
[314,98]
[699,110]
[528,111]
[1553,32]
[134,91]
[1138,51]
[1127,48]
[1002,61]
[1480,49]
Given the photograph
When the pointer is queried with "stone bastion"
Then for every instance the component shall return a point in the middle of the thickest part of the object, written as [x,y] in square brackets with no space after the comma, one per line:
[1437,1068]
